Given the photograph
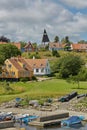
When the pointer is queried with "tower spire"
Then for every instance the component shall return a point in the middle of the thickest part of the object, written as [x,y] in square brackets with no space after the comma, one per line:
[45,37]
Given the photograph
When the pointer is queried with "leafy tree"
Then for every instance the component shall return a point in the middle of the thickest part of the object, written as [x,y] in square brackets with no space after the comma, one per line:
[69,65]
[74,79]
[47,47]
[23,44]
[56,39]
[34,45]
[55,53]
[7,51]
[83,74]
[82,42]
[4,39]
[66,40]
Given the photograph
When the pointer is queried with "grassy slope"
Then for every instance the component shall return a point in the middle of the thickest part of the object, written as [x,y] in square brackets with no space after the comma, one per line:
[49,88]
[55,87]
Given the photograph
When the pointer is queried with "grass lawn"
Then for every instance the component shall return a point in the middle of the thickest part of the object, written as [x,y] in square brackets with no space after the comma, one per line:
[34,90]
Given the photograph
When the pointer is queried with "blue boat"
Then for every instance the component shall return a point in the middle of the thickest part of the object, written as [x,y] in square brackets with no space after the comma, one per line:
[26,118]
[73,120]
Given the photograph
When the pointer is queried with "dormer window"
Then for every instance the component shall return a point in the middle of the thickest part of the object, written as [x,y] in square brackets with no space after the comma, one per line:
[0,73]
[24,65]
[9,65]
[7,73]
[34,64]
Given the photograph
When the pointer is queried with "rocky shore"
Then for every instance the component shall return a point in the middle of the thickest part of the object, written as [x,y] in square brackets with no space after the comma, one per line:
[48,109]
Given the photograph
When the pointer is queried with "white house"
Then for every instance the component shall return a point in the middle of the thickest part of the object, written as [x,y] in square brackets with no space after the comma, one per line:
[55,46]
[39,66]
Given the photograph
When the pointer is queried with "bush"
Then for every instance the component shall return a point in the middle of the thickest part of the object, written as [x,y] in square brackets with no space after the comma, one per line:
[37,56]
[24,79]
[55,53]
[34,78]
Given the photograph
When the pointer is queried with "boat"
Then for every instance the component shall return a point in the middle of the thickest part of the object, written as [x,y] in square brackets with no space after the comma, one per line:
[73,120]
[25,118]
[68,97]
[6,116]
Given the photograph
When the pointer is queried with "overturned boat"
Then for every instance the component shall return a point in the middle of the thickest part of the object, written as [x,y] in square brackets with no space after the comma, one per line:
[73,120]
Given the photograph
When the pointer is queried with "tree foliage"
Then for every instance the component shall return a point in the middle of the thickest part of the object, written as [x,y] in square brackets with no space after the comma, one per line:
[69,65]
[4,39]
[66,40]
[7,51]
[55,53]
[82,42]
[23,44]
[56,39]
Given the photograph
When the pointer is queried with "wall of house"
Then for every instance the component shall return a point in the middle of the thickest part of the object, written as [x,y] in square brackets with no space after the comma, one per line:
[50,49]
[43,71]
[9,70]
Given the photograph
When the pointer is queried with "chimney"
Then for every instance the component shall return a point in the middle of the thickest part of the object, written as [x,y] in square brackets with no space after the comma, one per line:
[33,57]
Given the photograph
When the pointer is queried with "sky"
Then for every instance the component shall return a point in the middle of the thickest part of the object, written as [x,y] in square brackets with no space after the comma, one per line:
[25,20]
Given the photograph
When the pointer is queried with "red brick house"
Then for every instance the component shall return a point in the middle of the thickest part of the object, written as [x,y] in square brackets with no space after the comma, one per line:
[79,47]
[29,47]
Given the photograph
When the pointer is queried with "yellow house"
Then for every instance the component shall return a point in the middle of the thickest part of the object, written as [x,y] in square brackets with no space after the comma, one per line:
[16,68]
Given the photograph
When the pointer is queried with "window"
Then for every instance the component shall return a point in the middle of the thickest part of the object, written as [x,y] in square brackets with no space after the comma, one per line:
[37,70]
[7,73]
[42,70]
[24,65]
[0,73]
[9,65]
[13,73]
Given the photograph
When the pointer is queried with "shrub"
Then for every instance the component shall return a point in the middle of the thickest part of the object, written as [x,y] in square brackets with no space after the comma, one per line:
[24,79]
[34,78]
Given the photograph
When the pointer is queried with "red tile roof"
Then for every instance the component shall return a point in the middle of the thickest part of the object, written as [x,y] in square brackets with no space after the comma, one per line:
[18,45]
[37,63]
[79,46]
[55,45]
[15,61]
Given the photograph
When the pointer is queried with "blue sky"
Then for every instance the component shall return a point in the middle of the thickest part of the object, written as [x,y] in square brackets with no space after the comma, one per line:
[25,20]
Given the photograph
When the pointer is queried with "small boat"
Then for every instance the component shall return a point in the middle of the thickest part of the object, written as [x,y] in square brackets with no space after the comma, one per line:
[73,120]
[6,116]
[25,118]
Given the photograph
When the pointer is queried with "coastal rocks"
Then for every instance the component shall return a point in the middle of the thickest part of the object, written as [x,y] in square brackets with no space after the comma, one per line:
[34,103]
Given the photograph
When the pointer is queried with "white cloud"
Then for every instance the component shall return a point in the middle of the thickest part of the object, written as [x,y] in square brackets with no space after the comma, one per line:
[26,20]
[79,4]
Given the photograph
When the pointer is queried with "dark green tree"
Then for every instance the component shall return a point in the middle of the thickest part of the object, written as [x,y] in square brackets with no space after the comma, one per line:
[82,42]
[7,51]
[56,39]
[69,65]
[23,44]
[4,39]
[55,53]
[74,79]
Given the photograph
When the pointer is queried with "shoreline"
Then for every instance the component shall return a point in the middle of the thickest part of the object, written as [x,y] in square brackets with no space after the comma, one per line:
[41,113]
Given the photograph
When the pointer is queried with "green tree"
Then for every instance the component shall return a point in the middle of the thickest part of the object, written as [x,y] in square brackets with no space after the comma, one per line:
[56,39]
[7,51]
[34,45]
[69,65]
[55,53]
[74,79]
[23,44]
[82,42]
[66,40]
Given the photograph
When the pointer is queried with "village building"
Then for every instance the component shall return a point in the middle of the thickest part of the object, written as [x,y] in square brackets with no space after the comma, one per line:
[55,46]
[17,44]
[79,47]
[16,68]
[28,47]
[39,66]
